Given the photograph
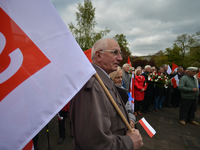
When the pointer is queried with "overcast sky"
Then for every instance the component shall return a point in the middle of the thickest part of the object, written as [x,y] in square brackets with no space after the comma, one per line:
[149,25]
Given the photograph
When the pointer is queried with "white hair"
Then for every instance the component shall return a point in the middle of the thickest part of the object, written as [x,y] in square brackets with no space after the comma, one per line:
[124,65]
[147,66]
[101,44]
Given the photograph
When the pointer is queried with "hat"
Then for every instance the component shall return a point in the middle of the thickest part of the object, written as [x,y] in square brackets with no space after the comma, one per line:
[192,69]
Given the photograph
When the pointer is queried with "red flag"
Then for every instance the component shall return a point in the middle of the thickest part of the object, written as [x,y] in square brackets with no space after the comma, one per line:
[174,67]
[199,74]
[88,54]
[129,62]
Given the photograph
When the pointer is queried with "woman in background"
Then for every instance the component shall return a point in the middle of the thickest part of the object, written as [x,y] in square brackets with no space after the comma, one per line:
[116,76]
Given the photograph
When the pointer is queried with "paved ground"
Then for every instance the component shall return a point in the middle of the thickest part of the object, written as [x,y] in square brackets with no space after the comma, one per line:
[171,135]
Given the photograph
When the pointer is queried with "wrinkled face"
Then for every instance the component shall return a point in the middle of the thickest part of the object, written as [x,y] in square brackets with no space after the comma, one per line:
[191,73]
[108,60]
[139,72]
[165,68]
[126,69]
[148,69]
[161,70]
[118,78]
[180,70]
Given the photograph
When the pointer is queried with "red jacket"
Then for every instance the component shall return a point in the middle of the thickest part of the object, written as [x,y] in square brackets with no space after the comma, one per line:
[66,107]
[138,86]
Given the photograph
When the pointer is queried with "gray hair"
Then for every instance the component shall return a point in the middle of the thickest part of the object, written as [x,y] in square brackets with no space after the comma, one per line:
[124,65]
[101,44]
[147,66]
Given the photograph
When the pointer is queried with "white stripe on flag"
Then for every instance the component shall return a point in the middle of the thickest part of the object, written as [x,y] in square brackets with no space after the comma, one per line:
[148,128]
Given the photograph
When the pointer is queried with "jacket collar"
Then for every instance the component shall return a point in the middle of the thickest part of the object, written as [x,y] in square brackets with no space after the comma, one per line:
[108,82]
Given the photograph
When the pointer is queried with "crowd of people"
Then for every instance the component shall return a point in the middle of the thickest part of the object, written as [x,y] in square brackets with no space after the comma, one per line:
[95,124]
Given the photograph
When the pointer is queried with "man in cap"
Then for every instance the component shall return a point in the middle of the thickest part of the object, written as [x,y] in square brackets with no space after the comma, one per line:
[189,93]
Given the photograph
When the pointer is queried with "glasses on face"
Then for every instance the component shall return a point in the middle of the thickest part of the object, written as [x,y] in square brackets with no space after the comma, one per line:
[115,52]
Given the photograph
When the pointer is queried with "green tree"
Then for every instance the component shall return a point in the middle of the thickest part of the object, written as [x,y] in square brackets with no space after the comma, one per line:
[85,33]
[121,39]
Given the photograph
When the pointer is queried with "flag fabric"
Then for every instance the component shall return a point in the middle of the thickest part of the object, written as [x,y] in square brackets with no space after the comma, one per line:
[175,81]
[169,70]
[88,54]
[174,67]
[29,146]
[131,93]
[129,62]
[199,74]
[38,71]
[147,127]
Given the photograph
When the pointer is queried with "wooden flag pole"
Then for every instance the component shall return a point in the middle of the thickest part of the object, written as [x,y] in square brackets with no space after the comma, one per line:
[113,102]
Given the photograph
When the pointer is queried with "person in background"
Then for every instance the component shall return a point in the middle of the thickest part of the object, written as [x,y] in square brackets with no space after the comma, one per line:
[116,76]
[153,69]
[148,95]
[95,124]
[160,93]
[126,77]
[61,122]
[139,89]
[189,93]
[131,70]
[177,93]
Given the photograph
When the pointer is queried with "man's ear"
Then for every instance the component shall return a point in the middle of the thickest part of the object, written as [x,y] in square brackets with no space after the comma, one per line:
[98,56]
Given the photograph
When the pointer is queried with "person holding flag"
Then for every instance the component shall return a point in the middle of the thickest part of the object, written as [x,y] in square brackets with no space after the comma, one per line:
[116,76]
[95,123]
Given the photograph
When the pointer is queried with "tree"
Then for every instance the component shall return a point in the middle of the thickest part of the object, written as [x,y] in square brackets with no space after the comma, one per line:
[85,33]
[121,39]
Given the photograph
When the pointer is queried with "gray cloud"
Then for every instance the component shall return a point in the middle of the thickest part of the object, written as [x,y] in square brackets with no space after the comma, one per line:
[149,26]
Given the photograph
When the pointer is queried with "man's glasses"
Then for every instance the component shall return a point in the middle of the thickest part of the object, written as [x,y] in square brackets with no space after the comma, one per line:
[115,52]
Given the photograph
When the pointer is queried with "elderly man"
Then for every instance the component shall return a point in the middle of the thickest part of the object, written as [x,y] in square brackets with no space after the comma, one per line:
[126,78]
[95,122]
[189,93]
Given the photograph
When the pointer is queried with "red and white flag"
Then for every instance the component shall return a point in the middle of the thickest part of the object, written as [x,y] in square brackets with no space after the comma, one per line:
[174,67]
[129,62]
[147,127]
[131,95]
[175,81]
[38,71]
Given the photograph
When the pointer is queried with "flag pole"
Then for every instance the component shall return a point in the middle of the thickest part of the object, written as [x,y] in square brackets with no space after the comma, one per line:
[113,102]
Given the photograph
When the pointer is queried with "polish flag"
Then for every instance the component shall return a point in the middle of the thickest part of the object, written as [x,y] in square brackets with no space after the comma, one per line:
[174,67]
[148,128]
[38,74]
[175,81]
[131,93]
[88,54]
[129,62]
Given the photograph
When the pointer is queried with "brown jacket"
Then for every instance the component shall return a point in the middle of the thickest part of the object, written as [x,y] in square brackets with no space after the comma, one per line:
[95,123]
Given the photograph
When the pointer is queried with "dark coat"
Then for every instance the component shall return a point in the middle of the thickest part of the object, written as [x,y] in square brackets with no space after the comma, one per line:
[150,88]
[95,122]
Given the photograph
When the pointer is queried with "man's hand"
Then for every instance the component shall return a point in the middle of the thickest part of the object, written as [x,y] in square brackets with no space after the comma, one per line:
[195,89]
[136,138]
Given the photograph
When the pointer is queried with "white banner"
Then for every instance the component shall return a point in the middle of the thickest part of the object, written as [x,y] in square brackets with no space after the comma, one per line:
[41,69]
